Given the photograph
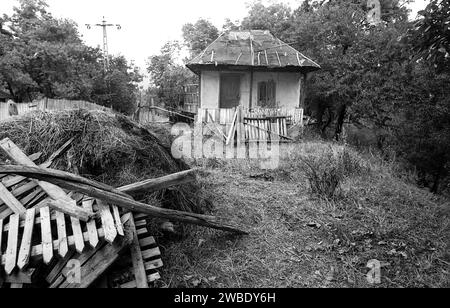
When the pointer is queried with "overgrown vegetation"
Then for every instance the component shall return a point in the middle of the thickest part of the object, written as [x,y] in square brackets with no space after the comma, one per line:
[327,170]
[298,239]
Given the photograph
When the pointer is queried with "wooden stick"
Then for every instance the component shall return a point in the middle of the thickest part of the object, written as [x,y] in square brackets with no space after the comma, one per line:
[272,132]
[160,183]
[233,124]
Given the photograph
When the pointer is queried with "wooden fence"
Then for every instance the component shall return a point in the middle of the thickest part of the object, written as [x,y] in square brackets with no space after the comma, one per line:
[49,105]
[254,125]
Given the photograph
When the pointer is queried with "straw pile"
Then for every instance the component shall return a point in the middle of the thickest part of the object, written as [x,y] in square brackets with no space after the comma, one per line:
[108,148]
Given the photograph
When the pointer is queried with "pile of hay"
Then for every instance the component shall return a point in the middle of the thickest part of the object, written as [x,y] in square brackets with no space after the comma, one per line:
[108,148]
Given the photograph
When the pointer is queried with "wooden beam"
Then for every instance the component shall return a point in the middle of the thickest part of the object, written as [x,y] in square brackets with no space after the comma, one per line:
[73,211]
[136,258]
[278,57]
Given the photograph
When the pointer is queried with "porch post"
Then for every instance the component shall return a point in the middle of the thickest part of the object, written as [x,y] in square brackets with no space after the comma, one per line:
[250,105]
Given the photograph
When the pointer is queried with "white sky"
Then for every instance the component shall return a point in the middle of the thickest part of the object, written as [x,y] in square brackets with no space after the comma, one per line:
[147,24]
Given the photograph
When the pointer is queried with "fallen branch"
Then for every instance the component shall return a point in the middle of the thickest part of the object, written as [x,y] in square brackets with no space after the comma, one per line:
[111,195]
[152,185]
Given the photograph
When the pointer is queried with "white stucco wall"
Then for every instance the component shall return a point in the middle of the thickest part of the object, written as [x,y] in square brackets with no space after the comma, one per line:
[287,92]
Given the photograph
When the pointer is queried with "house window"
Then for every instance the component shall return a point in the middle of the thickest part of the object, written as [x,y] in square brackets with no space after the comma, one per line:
[267,94]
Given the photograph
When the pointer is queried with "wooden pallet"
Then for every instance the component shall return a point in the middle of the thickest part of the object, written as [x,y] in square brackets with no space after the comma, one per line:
[151,257]
[42,233]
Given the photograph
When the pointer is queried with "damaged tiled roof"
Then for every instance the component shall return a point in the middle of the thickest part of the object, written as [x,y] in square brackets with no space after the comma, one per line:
[252,48]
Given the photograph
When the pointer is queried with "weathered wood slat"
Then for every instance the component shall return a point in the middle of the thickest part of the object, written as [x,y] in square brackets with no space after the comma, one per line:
[46,234]
[153,265]
[118,222]
[77,234]
[11,250]
[137,258]
[149,241]
[151,253]
[63,247]
[1,237]
[22,189]
[7,197]
[91,226]
[25,247]
[107,221]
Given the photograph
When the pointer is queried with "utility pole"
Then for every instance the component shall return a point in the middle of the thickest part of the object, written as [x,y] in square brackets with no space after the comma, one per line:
[104,26]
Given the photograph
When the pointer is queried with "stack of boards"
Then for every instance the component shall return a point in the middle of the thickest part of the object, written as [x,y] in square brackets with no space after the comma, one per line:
[34,236]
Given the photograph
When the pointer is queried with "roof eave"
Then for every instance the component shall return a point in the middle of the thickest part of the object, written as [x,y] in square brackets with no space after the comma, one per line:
[197,68]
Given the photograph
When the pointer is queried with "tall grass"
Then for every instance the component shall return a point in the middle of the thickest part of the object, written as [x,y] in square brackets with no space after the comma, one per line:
[326,170]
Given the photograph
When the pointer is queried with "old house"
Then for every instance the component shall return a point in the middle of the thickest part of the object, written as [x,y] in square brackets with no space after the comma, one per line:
[251,69]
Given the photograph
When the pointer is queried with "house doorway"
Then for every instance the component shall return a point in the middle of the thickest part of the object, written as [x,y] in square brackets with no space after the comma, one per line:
[230,90]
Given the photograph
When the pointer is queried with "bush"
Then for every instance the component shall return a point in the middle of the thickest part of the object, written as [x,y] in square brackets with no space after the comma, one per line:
[326,171]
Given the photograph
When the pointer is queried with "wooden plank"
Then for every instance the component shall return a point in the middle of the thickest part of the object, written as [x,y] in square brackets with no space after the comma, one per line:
[152,265]
[8,198]
[151,253]
[22,189]
[19,157]
[91,226]
[153,277]
[25,248]
[149,241]
[68,209]
[117,220]
[46,233]
[63,247]
[107,221]
[77,234]
[11,250]
[1,238]
[137,259]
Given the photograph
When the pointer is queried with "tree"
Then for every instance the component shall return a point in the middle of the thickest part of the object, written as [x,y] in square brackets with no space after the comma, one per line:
[45,56]
[199,35]
[167,76]
[431,33]
[277,18]
[230,25]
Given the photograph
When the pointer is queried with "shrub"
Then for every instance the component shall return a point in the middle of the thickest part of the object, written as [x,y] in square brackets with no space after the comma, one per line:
[327,170]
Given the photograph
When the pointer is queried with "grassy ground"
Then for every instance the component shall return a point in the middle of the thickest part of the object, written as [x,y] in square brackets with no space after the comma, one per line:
[300,239]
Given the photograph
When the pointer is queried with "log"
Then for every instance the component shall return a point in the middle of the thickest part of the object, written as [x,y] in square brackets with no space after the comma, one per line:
[64,179]
[160,183]
[35,172]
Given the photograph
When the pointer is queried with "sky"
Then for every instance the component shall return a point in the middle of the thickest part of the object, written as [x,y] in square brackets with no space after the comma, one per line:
[148,24]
